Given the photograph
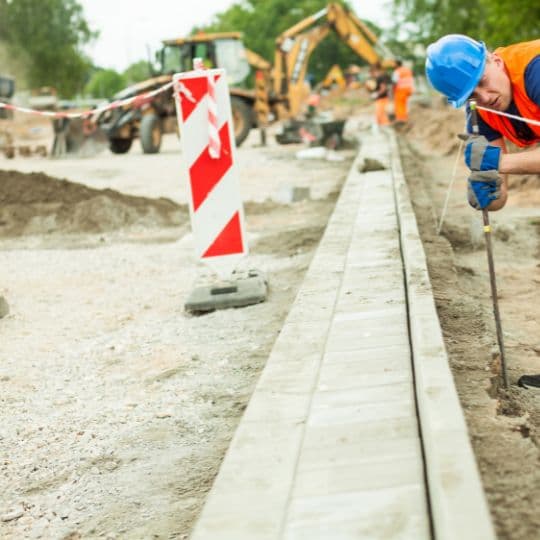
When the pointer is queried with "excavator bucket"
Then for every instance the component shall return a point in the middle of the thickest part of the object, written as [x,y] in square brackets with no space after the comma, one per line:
[77,137]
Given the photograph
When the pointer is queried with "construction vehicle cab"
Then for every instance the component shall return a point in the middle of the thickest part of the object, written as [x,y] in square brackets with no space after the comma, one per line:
[223,50]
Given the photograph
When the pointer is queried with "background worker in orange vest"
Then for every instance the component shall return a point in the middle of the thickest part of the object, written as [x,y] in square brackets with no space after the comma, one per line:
[505,81]
[403,81]
[380,94]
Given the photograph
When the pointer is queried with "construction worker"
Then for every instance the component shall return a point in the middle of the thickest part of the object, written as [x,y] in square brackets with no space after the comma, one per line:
[380,94]
[403,81]
[507,82]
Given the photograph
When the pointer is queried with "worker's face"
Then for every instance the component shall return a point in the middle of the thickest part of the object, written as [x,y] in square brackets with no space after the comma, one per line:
[494,89]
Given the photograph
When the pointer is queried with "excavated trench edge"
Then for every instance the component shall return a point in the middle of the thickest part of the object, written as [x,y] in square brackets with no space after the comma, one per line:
[457,501]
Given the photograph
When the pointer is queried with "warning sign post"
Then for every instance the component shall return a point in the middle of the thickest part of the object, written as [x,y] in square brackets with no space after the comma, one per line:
[216,209]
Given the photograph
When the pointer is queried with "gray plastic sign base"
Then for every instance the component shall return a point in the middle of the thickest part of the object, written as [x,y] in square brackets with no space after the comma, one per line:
[242,290]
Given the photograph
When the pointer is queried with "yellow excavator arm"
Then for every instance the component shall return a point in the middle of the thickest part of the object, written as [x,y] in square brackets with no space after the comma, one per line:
[334,77]
[295,45]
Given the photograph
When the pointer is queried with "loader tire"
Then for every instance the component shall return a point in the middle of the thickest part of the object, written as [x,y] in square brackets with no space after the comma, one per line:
[150,133]
[242,115]
[120,146]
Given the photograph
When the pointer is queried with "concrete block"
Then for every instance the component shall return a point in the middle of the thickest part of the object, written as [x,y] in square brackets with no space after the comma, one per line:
[361,295]
[390,271]
[329,435]
[302,338]
[362,412]
[370,327]
[363,476]
[345,395]
[344,452]
[276,406]
[345,337]
[250,494]
[357,257]
[290,375]
[385,514]
[373,314]
[376,360]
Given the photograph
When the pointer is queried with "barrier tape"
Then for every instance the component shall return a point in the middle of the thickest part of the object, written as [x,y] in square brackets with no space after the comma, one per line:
[527,120]
[135,101]
[214,142]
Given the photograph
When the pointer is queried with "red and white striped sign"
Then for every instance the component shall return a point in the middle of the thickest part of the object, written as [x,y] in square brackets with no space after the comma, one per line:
[207,136]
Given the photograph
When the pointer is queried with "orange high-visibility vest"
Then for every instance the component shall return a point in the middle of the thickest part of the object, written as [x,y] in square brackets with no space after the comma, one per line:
[405,79]
[516,58]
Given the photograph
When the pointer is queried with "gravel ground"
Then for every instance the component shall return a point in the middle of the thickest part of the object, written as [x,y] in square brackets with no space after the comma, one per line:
[116,406]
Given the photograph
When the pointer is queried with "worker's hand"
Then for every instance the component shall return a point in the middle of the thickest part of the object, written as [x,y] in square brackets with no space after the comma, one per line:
[374,95]
[483,187]
[480,155]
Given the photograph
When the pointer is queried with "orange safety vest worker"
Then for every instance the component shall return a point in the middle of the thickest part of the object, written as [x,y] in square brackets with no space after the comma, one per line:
[403,87]
[516,59]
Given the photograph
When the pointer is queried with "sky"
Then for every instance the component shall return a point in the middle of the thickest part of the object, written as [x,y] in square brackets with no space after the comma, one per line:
[126,33]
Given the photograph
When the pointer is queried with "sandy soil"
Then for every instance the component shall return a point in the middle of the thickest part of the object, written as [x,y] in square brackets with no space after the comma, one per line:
[116,407]
[504,424]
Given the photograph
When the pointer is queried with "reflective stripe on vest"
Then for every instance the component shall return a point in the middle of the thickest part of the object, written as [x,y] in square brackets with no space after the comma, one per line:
[405,78]
[516,58]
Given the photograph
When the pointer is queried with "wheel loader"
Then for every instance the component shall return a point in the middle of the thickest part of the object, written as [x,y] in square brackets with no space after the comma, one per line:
[150,118]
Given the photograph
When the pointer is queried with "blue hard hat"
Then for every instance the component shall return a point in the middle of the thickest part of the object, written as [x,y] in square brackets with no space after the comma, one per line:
[454,66]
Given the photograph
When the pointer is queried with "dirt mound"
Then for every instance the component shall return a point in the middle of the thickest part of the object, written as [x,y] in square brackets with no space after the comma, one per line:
[290,242]
[437,128]
[39,204]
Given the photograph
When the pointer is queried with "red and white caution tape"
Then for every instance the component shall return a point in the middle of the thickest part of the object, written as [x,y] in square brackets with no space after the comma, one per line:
[135,101]
[214,142]
[527,120]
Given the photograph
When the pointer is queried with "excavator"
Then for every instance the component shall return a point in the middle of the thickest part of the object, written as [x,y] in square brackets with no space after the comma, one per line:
[284,93]
[296,44]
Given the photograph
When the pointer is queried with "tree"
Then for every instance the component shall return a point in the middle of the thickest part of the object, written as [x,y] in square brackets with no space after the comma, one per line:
[511,21]
[497,22]
[105,83]
[137,72]
[46,37]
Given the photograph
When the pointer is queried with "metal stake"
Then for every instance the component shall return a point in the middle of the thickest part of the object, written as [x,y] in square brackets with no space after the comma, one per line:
[491,265]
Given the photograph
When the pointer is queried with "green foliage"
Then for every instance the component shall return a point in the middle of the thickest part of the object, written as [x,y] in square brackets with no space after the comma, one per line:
[44,40]
[512,21]
[262,21]
[137,72]
[105,83]
[497,22]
